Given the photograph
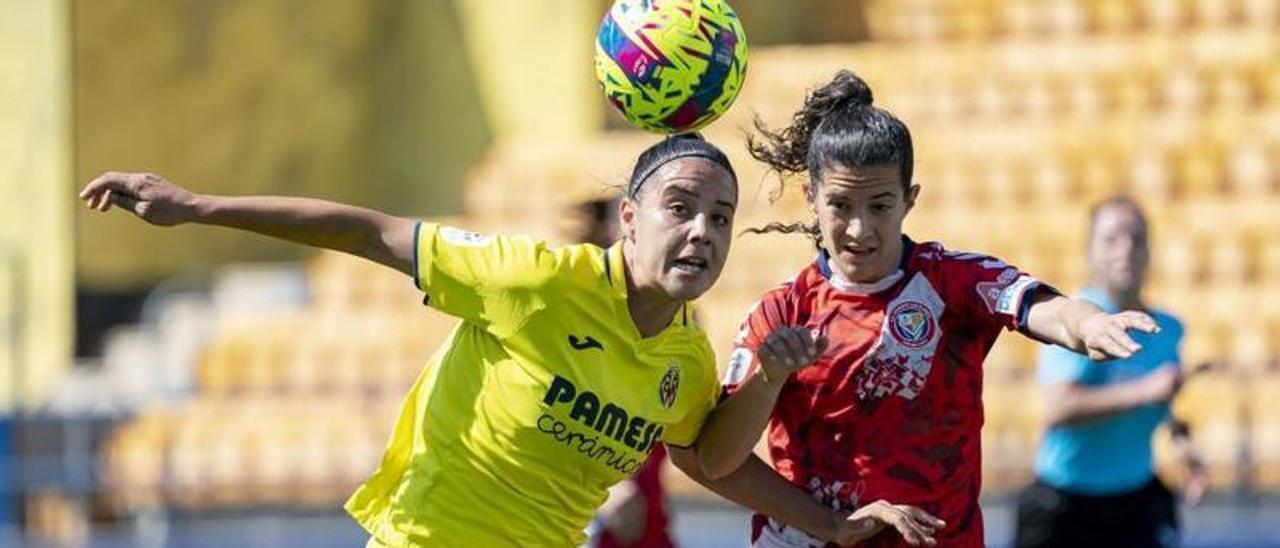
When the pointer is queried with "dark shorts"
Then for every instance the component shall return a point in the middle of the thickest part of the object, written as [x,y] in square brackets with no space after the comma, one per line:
[1049,517]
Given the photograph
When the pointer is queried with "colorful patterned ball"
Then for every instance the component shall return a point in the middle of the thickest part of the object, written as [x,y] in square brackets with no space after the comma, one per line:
[671,66]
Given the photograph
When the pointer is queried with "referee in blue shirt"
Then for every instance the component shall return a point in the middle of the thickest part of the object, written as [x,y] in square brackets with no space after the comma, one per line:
[1095,482]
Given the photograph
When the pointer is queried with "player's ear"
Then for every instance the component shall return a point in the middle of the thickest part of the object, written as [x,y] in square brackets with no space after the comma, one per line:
[627,218]
[912,193]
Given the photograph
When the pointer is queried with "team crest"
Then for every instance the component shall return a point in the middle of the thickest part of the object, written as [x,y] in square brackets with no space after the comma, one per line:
[911,323]
[669,386]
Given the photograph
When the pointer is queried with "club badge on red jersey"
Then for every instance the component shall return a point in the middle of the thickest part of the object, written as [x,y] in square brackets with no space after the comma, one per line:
[911,323]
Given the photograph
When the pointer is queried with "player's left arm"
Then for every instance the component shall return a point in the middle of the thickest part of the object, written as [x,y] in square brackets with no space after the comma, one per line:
[759,487]
[376,236]
[1081,326]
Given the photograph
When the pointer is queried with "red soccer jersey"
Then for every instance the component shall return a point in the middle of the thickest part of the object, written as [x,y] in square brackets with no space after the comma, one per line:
[893,408]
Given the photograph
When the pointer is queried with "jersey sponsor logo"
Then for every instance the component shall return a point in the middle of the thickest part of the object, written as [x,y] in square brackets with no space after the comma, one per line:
[669,386]
[606,418]
[739,364]
[911,323]
[464,238]
[585,343]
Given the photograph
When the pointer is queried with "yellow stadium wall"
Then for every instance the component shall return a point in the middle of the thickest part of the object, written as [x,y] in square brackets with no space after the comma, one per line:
[367,102]
[35,216]
[533,59]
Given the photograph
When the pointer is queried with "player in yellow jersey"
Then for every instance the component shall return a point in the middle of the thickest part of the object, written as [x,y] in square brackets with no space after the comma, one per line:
[570,364]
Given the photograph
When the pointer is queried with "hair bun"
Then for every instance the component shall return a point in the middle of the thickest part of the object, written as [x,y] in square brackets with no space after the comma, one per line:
[852,89]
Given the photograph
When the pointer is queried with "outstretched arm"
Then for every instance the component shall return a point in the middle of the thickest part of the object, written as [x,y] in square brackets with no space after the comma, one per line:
[366,233]
[760,488]
[1081,326]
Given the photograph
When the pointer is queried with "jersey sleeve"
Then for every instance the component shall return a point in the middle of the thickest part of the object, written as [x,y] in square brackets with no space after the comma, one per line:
[766,316]
[989,291]
[470,275]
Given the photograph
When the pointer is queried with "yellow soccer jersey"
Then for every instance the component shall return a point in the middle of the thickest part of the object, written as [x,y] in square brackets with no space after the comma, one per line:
[543,397]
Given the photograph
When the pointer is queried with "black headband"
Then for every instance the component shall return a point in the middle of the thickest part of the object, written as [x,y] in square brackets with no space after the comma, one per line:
[704,154]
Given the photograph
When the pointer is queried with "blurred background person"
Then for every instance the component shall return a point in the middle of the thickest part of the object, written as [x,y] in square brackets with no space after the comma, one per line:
[1095,481]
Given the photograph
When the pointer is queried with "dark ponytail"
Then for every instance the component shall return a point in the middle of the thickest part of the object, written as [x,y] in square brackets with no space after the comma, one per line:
[837,125]
[787,150]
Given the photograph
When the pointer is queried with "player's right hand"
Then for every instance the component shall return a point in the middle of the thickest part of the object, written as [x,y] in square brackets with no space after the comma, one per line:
[787,350]
[1106,336]
[151,197]
[916,526]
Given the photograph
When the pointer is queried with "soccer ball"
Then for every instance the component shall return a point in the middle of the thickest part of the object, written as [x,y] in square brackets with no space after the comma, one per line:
[671,66]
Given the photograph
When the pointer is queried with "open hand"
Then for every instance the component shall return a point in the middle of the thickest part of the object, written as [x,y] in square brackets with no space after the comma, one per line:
[916,526]
[1106,336]
[151,197]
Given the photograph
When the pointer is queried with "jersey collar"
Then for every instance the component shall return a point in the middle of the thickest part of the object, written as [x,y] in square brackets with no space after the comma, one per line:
[615,271]
[837,281]
[615,275]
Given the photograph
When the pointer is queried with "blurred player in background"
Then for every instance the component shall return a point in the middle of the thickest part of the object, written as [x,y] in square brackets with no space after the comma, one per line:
[886,424]
[635,514]
[1095,481]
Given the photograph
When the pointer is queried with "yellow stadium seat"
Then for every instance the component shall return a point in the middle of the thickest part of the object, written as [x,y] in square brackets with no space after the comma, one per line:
[1263,14]
[316,467]
[269,450]
[1212,406]
[1149,175]
[1229,262]
[1009,435]
[190,456]
[1166,15]
[1264,446]
[1252,171]
[1250,350]
[1113,16]
[134,461]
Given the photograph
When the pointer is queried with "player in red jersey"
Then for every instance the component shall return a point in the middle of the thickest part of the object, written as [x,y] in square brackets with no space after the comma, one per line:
[867,365]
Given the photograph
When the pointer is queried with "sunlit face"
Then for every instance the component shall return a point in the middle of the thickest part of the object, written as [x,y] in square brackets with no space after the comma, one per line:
[680,227]
[860,213]
[1118,253]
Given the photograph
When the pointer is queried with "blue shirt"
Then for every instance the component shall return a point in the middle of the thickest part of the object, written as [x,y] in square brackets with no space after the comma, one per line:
[1112,455]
